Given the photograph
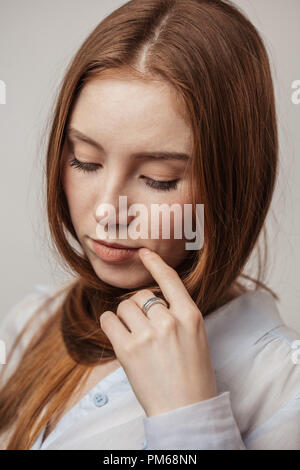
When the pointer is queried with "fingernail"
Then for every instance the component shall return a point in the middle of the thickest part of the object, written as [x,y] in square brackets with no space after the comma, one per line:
[144,251]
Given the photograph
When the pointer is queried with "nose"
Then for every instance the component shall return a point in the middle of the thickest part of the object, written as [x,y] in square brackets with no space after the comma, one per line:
[112,205]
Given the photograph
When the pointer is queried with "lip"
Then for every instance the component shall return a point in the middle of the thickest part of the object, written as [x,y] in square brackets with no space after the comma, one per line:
[112,252]
[114,245]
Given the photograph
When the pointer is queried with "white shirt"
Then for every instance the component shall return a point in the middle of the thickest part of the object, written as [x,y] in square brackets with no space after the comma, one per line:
[258,401]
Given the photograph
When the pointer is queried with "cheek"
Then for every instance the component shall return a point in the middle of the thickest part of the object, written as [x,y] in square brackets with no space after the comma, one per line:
[167,224]
[172,251]
[77,193]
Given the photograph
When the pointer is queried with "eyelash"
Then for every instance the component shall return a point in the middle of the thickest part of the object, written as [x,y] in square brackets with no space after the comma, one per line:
[90,167]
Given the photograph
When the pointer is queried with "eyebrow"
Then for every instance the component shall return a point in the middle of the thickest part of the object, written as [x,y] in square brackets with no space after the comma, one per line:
[75,133]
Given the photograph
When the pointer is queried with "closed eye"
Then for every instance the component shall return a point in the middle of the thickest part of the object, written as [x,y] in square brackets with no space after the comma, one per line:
[87,167]
[154,184]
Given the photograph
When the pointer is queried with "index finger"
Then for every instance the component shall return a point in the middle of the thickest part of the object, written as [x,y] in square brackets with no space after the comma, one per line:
[166,277]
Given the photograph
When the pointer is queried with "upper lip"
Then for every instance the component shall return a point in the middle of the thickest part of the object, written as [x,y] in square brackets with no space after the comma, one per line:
[115,245]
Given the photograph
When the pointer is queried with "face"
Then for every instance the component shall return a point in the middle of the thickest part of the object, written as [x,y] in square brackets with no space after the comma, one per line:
[129,122]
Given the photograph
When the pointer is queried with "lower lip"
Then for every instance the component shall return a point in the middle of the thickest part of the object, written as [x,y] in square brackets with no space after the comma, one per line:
[113,254]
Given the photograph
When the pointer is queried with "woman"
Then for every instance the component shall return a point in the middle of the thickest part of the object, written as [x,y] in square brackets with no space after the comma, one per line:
[207,365]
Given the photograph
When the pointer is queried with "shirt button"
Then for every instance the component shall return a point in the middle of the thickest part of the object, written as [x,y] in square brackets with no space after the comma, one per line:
[100,399]
[144,445]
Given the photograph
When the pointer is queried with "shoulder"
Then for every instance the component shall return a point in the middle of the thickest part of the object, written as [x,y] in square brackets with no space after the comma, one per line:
[258,360]
[18,314]
[274,391]
[258,339]
[275,345]
[43,299]
[238,325]
[278,361]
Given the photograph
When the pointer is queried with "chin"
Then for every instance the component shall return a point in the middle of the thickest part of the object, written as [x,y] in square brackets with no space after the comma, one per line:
[124,279]
[123,283]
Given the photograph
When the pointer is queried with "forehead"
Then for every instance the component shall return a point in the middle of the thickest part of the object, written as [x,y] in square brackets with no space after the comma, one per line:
[132,113]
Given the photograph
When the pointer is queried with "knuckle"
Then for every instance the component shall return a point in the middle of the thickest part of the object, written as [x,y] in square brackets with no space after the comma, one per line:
[103,318]
[128,349]
[145,292]
[193,317]
[194,322]
[142,294]
[146,337]
[167,324]
[122,305]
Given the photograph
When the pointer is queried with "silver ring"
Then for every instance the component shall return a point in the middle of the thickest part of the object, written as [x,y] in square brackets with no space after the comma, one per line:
[152,301]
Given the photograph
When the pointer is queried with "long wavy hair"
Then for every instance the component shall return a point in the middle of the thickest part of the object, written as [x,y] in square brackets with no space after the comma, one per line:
[215,61]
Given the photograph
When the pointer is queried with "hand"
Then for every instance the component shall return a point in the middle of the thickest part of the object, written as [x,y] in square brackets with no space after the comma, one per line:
[165,354]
